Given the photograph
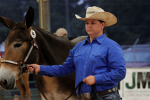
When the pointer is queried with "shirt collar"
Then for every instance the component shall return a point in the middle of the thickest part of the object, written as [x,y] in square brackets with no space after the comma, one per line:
[98,39]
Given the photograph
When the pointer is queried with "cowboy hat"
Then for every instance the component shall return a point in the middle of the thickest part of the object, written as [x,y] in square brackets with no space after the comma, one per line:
[99,14]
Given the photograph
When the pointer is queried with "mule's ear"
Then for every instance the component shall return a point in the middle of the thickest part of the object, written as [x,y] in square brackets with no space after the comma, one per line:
[7,22]
[29,18]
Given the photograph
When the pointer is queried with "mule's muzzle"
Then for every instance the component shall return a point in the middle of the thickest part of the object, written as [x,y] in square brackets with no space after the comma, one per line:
[7,85]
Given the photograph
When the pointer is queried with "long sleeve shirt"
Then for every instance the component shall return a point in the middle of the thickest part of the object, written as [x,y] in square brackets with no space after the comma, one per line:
[102,58]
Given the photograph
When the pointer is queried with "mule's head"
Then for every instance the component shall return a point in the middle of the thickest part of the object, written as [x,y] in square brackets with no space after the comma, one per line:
[17,46]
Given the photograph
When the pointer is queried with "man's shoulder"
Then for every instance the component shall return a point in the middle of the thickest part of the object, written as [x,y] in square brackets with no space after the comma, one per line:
[111,42]
[80,43]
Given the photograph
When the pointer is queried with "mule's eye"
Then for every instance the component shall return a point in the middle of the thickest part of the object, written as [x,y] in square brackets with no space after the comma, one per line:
[17,45]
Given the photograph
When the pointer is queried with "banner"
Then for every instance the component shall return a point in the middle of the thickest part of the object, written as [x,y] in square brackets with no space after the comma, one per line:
[136,85]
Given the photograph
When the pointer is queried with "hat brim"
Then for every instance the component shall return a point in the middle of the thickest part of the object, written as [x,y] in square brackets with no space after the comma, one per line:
[107,17]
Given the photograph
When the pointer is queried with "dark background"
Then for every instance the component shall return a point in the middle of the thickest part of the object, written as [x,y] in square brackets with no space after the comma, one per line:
[133,17]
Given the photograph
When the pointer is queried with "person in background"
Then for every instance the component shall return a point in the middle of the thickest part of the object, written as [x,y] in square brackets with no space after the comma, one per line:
[16,94]
[61,32]
[97,60]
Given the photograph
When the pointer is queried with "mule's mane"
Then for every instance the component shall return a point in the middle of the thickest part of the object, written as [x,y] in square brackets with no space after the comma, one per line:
[53,38]
[53,46]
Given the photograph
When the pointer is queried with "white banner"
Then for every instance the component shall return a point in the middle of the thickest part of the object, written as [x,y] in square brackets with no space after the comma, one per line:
[136,85]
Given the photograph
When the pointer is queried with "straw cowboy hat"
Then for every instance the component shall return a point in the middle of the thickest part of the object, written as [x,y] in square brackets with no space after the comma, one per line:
[99,14]
[61,32]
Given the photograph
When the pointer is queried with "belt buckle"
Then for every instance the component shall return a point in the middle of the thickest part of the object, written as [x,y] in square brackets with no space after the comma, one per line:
[86,95]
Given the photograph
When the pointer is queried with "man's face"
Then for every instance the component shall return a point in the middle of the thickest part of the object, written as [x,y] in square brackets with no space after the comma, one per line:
[94,27]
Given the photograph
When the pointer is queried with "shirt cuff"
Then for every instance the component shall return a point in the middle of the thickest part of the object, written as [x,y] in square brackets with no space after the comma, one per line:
[43,70]
[98,79]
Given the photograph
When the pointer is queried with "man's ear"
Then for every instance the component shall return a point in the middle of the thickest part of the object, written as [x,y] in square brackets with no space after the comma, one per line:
[103,25]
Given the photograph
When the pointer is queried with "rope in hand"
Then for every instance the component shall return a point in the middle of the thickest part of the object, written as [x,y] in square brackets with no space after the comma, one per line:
[79,85]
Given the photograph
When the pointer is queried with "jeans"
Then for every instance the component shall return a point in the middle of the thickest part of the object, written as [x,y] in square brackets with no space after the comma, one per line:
[110,96]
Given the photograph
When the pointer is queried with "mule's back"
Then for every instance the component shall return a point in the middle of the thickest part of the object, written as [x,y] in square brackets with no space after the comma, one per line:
[78,39]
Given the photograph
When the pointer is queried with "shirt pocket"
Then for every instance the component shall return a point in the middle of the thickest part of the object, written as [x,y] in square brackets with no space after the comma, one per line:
[77,55]
[99,60]
[96,57]
[77,58]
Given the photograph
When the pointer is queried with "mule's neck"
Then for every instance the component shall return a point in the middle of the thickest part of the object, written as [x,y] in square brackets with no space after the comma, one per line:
[53,49]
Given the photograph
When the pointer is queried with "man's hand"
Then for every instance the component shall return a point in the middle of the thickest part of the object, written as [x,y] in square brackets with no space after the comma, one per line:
[90,80]
[34,68]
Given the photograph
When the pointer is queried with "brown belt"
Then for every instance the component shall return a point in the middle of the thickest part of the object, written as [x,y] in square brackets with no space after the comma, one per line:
[89,96]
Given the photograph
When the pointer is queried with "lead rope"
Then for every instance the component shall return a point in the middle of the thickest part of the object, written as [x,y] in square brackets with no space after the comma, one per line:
[79,85]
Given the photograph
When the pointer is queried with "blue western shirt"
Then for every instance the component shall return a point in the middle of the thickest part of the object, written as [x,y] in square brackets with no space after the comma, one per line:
[102,58]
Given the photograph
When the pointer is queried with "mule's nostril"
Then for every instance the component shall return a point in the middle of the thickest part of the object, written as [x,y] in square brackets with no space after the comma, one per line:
[5,82]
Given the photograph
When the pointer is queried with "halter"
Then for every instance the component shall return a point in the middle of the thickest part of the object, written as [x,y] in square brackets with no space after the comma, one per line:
[22,65]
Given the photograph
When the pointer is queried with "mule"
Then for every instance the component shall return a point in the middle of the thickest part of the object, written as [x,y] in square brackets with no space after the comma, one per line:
[40,47]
